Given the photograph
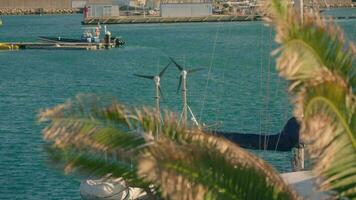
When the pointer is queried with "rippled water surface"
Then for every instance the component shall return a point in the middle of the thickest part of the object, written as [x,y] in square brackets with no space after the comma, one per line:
[239,86]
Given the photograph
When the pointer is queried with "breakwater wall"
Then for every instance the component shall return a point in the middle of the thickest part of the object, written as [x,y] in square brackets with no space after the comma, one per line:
[31,7]
[46,4]
[146,20]
[38,11]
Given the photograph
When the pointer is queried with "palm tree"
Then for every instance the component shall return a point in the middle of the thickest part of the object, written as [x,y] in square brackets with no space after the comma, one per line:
[186,163]
[315,59]
[182,163]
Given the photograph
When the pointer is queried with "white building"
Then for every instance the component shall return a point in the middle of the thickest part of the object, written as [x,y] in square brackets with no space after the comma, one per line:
[101,10]
[78,3]
[186,9]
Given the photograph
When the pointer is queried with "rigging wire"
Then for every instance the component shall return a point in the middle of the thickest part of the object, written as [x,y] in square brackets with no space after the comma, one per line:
[278,88]
[226,43]
[267,121]
[285,117]
[209,72]
[260,83]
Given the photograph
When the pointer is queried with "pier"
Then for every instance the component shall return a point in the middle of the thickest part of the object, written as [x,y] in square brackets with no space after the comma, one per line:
[57,45]
[155,19]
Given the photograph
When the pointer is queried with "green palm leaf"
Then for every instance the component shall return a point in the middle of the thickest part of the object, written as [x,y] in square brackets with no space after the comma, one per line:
[82,132]
[94,164]
[201,166]
[317,61]
[312,51]
[212,167]
[84,123]
[332,141]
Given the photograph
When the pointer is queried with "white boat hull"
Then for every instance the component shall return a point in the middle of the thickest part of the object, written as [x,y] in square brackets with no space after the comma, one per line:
[109,190]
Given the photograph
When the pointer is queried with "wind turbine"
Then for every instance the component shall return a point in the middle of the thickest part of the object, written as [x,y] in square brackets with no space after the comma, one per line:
[156,79]
[183,84]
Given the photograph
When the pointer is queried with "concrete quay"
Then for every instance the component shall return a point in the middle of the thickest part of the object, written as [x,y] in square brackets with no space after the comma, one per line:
[150,19]
[38,11]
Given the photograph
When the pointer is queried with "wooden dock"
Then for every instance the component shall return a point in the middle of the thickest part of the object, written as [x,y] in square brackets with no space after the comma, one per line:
[155,19]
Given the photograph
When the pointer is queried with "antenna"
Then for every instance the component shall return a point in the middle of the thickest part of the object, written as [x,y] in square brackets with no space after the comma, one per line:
[156,79]
[183,84]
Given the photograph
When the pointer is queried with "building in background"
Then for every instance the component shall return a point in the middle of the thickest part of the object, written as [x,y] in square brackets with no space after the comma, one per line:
[101,10]
[54,4]
[46,4]
[78,3]
[186,8]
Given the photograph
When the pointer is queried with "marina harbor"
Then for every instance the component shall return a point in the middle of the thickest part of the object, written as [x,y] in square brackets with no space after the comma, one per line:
[177,99]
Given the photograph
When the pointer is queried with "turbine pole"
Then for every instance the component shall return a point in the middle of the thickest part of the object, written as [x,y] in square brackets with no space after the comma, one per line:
[157,97]
[184,95]
[302,11]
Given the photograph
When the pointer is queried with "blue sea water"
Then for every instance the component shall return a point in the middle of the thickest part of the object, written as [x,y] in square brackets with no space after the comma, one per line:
[239,86]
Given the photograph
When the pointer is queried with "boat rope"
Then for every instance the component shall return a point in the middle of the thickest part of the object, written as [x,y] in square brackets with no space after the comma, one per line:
[223,66]
[354,30]
[209,72]
[260,84]
[284,119]
[193,116]
[181,116]
[267,117]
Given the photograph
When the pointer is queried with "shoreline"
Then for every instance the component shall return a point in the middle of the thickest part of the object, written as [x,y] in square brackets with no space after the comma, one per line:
[64,11]
[38,11]
[156,19]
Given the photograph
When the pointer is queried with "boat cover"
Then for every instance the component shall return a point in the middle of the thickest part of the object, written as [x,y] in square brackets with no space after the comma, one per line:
[282,141]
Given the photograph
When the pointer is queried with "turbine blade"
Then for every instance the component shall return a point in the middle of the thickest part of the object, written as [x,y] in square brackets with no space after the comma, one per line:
[176,64]
[164,69]
[194,70]
[144,76]
[180,83]
[160,91]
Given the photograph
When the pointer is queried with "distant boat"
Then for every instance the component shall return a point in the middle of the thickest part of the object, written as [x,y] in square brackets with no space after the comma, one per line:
[0,21]
[90,35]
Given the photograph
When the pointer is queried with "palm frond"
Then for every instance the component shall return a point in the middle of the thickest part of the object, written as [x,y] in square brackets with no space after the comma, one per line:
[315,58]
[203,166]
[329,130]
[312,50]
[83,123]
[82,132]
[95,164]
[212,167]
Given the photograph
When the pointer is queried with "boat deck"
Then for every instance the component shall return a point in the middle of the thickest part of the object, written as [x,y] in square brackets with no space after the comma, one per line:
[59,46]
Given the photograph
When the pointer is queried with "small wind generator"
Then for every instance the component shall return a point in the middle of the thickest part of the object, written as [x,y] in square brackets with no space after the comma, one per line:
[157,80]
[183,84]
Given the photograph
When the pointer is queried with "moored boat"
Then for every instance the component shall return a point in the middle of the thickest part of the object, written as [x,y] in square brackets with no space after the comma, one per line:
[90,35]
[109,189]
